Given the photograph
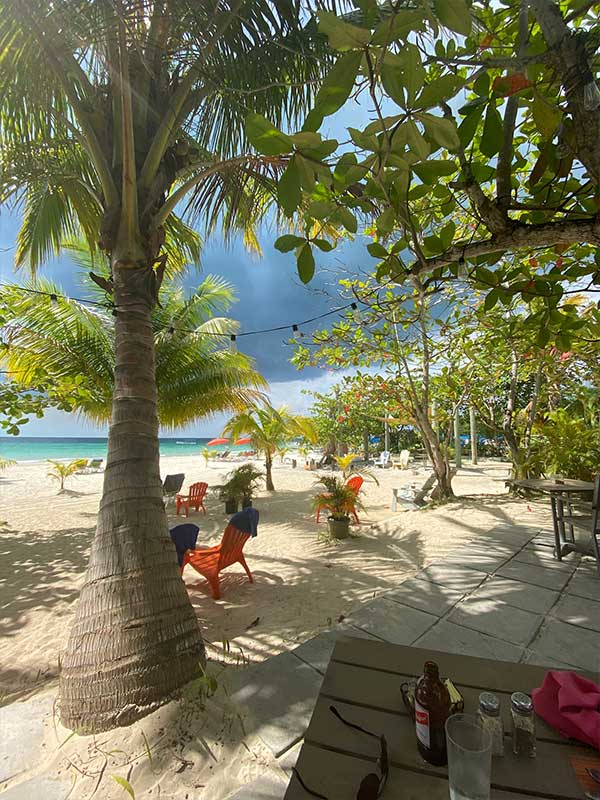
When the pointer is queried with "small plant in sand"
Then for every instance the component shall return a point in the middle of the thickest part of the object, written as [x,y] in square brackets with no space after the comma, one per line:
[61,471]
[206,454]
[339,499]
[6,462]
[348,469]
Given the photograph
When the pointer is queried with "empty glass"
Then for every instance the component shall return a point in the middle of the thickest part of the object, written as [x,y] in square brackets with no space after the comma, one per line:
[469,758]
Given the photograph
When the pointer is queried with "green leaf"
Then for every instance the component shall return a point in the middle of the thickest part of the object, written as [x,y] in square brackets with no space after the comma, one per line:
[414,72]
[491,138]
[415,141]
[306,263]
[338,84]
[377,250]
[266,137]
[323,245]
[433,245]
[288,242]
[547,118]
[467,128]
[539,168]
[454,14]
[124,783]
[491,299]
[441,130]
[319,209]
[443,88]
[289,192]
[385,222]
[399,26]
[392,78]
[306,139]
[347,219]
[306,172]
[342,35]
[447,234]
[428,171]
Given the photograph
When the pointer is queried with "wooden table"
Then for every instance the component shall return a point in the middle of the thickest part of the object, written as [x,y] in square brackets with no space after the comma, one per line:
[363,681]
[559,491]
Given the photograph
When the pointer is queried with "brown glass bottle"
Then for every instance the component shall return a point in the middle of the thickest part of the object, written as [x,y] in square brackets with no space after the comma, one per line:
[432,709]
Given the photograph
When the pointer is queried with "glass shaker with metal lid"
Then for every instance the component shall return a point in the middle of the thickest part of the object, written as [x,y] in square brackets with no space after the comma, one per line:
[523,725]
[490,719]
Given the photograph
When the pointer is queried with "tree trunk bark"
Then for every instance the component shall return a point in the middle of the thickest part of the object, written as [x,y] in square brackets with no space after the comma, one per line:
[508,420]
[269,475]
[135,639]
[441,468]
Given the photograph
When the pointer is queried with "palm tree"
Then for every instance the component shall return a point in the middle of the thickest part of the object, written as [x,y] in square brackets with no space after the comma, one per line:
[111,115]
[61,471]
[269,430]
[67,343]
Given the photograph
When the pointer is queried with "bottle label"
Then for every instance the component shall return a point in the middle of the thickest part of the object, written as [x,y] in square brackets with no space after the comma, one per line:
[422,725]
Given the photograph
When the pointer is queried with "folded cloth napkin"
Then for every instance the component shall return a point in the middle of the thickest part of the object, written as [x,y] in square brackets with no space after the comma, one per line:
[570,703]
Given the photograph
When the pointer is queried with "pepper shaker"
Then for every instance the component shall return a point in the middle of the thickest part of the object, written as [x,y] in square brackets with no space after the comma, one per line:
[523,725]
[490,719]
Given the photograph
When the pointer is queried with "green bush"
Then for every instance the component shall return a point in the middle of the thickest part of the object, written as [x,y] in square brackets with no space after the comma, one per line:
[567,446]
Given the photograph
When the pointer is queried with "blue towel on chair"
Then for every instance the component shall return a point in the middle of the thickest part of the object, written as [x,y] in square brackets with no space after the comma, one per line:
[184,538]
[246,521]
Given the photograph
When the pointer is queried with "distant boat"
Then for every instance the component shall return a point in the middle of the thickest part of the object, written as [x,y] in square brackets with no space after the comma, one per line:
[189,441]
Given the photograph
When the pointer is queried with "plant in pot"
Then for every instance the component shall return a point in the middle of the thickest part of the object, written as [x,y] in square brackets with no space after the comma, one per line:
[240,486]
[339,499]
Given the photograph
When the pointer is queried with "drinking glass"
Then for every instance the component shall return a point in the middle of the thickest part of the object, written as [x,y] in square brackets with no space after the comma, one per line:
[469,758]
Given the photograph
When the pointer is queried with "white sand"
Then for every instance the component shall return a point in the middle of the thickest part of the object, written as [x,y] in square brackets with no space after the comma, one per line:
[301,585]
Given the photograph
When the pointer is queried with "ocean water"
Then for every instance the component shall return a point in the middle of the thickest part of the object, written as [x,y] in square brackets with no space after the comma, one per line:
[34,448]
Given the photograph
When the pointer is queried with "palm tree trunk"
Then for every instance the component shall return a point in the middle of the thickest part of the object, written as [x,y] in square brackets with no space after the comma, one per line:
[135,639]
[268,471]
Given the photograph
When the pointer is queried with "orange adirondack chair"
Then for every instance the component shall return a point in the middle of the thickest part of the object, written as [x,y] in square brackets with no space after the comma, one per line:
[195,498]
[209,561]
[355,484]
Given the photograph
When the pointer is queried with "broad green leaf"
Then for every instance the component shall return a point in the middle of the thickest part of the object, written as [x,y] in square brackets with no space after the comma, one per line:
[392,78]
[319,209]
[433,245]
[288,242]
[414,72]
[447,234]
[124,783]
[306,263]
[342,35]
[399,26]
[454,14]
[546,117]
[377,250]
[443,88]
[467,128]
[442,130]
[429,171]
[323,245]
[491,299]
[338,84]
[415,141]
[539,168]
[266,137]
[347,218]
[289,192]
[385,222]
[306,172]
[491,138]
[306,139]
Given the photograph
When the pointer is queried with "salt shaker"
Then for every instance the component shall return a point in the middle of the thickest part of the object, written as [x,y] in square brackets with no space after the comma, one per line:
[490,719]
[523,725]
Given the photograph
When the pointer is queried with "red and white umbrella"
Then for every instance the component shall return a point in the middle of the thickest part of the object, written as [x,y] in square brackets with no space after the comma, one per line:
[245,440]
[214,442]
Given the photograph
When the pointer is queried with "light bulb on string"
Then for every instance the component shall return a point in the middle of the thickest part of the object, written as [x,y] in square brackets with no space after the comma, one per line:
[295,332]
[233,343]
[53,299]
[462,271]
[356,313]
[591,93]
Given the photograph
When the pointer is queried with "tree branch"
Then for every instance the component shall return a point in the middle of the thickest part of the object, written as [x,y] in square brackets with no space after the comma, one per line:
[520,237]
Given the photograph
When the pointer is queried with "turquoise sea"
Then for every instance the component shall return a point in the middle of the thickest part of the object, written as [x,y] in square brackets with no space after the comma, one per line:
[34,448]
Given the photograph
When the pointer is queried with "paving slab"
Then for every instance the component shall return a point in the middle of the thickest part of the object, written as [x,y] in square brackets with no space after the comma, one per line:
[317,651]
[266,787]
[492,615]
[527,596]
[451,638]
[426,596]
[289,758]
[484,559]
[38,788]
[21,734]
[545,661]
[545,561]
[585,585]
[569,644]
[280,695]
[393,622]
[454,576]
[539,576]
[579,611]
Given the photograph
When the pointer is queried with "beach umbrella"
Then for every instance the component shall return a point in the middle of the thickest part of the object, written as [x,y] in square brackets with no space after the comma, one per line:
[214,442]
[245,440]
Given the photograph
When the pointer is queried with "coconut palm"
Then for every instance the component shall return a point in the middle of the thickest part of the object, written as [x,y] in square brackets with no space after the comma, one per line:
[113,116]
[66,342]
[61,471]
[269,430]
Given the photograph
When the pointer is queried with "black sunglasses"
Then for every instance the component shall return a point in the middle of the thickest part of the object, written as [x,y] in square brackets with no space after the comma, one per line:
[372,785]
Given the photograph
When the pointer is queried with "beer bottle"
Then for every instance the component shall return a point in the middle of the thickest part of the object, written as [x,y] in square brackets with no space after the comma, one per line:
[432,708]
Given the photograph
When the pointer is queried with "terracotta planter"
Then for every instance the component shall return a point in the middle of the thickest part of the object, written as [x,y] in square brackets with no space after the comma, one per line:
[339,528]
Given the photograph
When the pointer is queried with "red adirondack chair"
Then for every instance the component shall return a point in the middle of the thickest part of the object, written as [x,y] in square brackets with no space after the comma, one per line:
[355,484]
[195,498]
[209,561]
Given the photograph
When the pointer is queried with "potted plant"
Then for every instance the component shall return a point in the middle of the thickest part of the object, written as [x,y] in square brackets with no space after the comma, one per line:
[240,486]
[339,499]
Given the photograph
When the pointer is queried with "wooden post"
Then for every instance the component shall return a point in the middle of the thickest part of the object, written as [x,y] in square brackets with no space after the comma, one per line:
[473,426]
[457,448]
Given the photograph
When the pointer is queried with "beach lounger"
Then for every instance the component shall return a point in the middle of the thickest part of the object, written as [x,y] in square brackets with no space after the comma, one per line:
[93,465]
[172,484]
[194,499]
[355,483]
[184,538]
[412,496]
[210,561]
[384,461]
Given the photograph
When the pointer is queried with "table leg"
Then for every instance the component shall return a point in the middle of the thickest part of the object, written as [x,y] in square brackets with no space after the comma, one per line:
[394,499]
[556,525]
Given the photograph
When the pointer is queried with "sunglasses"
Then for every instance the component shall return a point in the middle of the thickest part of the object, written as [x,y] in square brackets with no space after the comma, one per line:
[372,785]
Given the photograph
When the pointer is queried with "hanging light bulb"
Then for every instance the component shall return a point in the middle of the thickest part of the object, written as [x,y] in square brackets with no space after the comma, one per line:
[356,313]
[462,271]
[295,332]
[233,343]
[53,299]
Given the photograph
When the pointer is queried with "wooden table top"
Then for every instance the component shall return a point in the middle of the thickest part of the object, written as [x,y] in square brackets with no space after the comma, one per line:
[363,681]
[567,485]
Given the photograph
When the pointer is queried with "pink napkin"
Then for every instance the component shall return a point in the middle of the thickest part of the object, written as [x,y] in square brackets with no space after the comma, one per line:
[570,703]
